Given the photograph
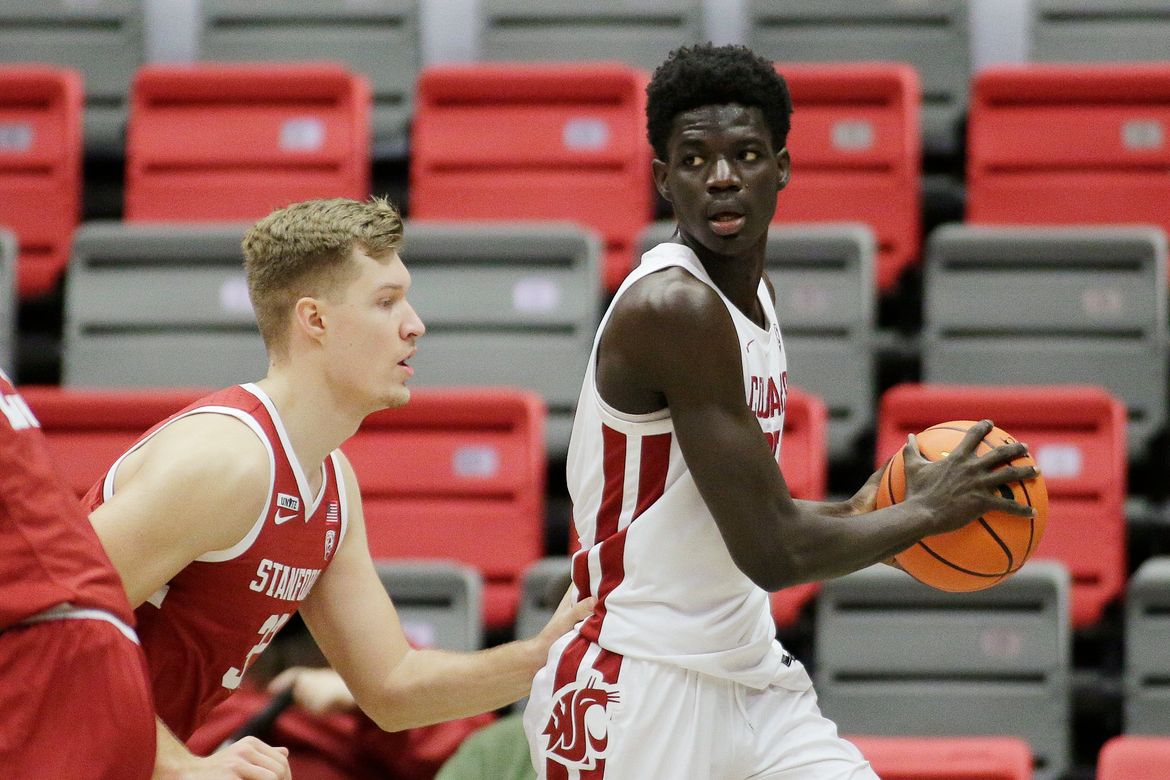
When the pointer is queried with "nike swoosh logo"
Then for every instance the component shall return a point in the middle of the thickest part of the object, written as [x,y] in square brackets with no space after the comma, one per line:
[283,518]
[748,347]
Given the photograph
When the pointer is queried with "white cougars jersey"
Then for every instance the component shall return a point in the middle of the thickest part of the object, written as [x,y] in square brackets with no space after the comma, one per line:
[667,589]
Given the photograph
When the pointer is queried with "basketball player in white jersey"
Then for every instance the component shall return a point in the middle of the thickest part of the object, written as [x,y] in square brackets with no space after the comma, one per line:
[683,516]
[233,514]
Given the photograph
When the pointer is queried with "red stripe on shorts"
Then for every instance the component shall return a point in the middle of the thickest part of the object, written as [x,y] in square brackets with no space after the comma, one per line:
[610,666]
[567,669]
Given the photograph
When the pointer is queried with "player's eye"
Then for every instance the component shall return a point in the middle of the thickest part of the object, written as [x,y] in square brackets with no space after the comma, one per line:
[749,155]
[692,160]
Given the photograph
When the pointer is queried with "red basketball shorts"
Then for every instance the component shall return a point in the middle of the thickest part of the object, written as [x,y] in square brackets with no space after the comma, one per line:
[75,702]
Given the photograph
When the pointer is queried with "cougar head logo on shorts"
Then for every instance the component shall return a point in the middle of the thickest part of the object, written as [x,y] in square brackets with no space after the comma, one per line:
[578,728]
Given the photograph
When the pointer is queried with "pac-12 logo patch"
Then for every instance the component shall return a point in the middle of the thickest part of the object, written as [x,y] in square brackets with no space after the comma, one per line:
[578,728]
[330,540]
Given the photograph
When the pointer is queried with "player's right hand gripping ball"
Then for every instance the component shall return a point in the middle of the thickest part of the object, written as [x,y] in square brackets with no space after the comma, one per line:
[987,550]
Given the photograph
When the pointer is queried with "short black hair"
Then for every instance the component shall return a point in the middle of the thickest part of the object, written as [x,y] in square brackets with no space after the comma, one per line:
[705,75]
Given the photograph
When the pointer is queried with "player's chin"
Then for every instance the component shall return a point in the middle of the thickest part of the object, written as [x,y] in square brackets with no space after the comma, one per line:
[396,396]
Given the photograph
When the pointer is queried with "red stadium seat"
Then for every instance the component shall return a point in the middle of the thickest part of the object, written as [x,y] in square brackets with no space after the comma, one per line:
[87,430]
[805,463]
[232,142]
[947,758]
[1131,757]
[458,474]
[1077,435]
[40,168]
[536,142]
[1070,145]
[857,155]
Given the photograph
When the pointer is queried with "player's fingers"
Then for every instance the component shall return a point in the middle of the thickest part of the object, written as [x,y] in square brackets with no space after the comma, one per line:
[265,756]
[1000,504]
[1005,453]
[582,609]
[910,451]
[254,772]
[972,437]
[1008,475]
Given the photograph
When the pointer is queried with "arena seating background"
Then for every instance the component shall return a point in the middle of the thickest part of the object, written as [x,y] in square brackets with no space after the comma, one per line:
[977,221]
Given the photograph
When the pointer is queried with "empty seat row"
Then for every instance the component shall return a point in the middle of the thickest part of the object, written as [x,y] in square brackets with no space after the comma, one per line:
[565,142]
[152,305]
[385,40]
[994,662]
[518,305]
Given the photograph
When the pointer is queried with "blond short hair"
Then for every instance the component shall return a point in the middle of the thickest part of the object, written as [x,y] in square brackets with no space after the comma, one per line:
[304,249]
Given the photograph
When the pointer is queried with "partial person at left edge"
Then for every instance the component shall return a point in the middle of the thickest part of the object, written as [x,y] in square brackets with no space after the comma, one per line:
[74,697]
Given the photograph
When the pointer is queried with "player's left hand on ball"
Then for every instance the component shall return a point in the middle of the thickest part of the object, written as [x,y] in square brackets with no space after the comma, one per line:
[865,499]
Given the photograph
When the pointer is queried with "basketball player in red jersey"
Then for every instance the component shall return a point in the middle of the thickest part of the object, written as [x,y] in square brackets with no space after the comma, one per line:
[684,518]
[233,514]
[74,697]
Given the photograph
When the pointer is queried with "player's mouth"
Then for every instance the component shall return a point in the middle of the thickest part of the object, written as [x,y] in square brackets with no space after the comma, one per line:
[726,223]
[406,366]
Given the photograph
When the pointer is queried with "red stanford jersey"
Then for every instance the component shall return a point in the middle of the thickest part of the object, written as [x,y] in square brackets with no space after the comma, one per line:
[202,629]
[49,553]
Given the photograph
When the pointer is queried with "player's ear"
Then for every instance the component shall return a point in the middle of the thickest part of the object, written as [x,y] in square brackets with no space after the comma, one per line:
[784,167]
[308,318]
[659,169]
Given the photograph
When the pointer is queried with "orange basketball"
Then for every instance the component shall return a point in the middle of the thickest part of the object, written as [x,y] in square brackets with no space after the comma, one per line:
[987,550]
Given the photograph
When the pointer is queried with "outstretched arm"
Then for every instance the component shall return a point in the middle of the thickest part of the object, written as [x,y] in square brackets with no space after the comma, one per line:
[354,622]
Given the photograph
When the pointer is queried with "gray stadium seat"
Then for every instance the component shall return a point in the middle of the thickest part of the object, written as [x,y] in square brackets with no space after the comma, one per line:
[1100,30]
[379,39]
[639,33]
[895,657]
[153,305]
[540,593]
[439,602]
[103,39]
[1147,648]
[506,304]
[1027,305]
[825,300]
[541,590]
[8,255]
[931,36]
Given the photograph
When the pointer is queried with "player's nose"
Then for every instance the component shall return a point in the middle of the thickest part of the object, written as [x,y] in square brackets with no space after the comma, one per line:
[723,176]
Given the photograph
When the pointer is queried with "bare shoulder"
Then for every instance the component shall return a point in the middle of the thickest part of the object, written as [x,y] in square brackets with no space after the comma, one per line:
[216,452]
[657,330]
[669,303]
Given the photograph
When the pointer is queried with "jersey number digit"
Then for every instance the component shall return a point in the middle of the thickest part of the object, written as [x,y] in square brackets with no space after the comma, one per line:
[233,677]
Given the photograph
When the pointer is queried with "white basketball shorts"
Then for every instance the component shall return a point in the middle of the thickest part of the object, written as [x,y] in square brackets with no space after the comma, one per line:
[595,715]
